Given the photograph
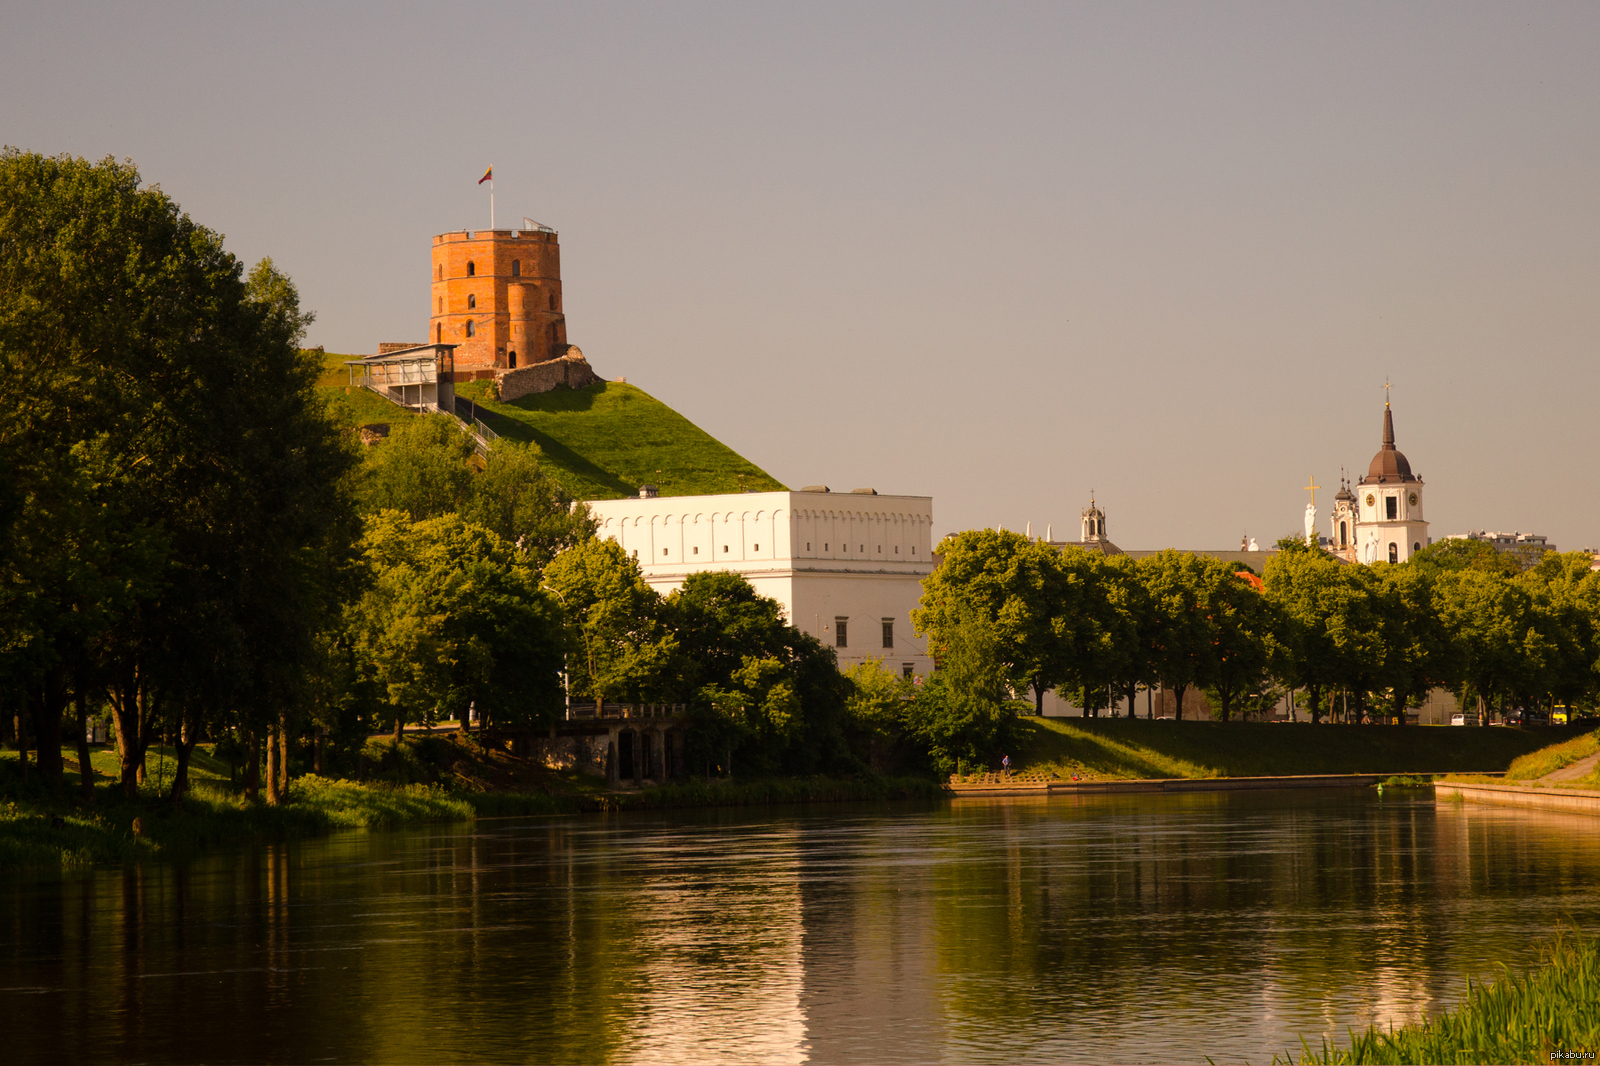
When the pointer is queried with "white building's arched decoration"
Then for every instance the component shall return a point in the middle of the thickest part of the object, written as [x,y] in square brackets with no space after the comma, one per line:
[1389,504]
[856,558]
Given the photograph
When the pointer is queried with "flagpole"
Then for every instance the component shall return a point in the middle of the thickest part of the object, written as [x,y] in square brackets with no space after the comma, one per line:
[491,203]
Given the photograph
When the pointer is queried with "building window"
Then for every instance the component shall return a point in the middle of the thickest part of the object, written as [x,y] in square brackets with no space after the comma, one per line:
[897,549]
[439,271]
[636,553]
[469,329]
[808,545]
[724,548]
[1343,530]
[888,632]
[1394,552]
[824,547]
[471,269]
[663,551]
[438,333]
[516,268]
[697,551]
[756,548]
[472,301]
[841,633]
[1417,546]
[1391,505]
[511,360]
[913,549]
[552,301]
[441,305]
[862,549]
[908,670]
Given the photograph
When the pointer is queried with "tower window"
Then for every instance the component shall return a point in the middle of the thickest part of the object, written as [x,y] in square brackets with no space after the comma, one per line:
[516,268]
[1417,546]
[472,301]
[552,333]
[841,633]
[471,269]
[438,333]
[469,329]
[438,272]
[511,360]
[552,301]
[888,632]
[1394,552]
[1391,506]
[1344,530]
[441,305]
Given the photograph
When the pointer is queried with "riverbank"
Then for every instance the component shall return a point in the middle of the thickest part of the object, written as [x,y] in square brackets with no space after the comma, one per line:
[1522,1017]
[39,831]
[1099,749]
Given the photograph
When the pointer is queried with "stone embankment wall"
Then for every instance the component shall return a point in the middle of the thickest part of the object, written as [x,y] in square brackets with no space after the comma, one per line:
[570,371]
[584,754]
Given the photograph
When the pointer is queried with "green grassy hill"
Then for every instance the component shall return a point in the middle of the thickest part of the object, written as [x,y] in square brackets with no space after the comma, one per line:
[1101,748]
[601,442]
[604,441]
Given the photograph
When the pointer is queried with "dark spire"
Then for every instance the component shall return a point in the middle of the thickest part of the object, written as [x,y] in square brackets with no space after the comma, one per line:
[1388,427]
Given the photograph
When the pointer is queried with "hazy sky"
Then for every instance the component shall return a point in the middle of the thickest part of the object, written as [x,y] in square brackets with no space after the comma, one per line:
[996,254]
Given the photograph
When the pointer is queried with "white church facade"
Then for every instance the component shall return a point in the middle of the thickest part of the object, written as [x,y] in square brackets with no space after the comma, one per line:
[846,567]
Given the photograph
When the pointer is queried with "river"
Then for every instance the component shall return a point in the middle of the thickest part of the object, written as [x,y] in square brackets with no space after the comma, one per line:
[1098,929]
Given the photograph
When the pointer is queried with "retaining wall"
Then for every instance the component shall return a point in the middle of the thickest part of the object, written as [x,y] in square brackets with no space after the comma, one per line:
[1549,799]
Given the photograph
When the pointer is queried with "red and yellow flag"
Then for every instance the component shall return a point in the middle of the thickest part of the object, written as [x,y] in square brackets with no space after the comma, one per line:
[488,175]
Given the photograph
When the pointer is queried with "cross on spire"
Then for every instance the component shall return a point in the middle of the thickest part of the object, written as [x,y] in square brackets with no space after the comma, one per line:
[1386,390]
[1313,487]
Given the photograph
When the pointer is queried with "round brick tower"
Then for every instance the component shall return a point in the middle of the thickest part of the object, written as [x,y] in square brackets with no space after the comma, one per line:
[497,295]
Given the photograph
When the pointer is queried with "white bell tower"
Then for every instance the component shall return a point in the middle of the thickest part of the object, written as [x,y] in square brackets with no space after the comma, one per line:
[1390,525]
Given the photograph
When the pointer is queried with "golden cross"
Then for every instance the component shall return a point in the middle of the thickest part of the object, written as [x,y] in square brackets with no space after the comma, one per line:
[1313,487]
[1386,390]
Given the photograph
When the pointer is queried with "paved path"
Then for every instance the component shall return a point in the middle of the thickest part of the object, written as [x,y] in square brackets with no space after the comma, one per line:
[1572,771]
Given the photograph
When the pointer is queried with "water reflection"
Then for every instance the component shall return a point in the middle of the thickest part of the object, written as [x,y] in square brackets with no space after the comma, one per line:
[1118,929]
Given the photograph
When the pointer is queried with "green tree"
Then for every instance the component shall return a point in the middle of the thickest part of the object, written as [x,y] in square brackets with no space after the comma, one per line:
[1184,637]
[520,502]
[454,618]
[964,713]
[421,469]
[616,645]
[1245,625]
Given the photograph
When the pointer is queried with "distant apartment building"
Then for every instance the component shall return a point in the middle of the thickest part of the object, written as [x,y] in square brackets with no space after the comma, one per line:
[1530,546]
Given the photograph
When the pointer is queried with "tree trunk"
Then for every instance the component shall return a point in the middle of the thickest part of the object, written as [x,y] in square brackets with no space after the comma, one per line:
[1149,703]
[1038,699]
[274,793]
[1314,693]
[49,702]
[252,764]
[188,733]
[283,758]
[85,770]
[319,751]
[399,727]
[1178,691]
[127,709]
[22,744]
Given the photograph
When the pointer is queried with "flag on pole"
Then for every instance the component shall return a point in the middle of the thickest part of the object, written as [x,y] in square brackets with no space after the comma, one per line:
[488,175]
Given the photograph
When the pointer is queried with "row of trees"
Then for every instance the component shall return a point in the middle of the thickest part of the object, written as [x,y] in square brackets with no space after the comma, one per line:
[1375,638]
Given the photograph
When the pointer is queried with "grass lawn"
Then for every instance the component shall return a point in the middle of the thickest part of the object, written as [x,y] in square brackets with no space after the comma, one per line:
[362,406]
[1104,748]
[604,441]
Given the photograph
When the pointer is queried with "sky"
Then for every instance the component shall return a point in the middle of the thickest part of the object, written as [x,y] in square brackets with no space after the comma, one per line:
[1003,255]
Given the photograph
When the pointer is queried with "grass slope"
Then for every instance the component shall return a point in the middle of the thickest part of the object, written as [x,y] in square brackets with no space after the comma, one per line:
[604,441]
[1103,748]
[1528,769]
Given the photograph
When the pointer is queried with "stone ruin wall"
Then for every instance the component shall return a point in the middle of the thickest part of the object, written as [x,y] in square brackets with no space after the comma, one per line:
[570,371]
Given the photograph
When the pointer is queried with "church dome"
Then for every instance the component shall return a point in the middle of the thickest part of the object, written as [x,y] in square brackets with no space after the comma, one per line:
[1389,464]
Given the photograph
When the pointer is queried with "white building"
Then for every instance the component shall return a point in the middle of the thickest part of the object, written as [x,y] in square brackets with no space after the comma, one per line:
[847,567]
[1389,522]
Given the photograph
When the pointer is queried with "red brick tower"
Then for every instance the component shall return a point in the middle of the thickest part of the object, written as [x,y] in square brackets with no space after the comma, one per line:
[497,294]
